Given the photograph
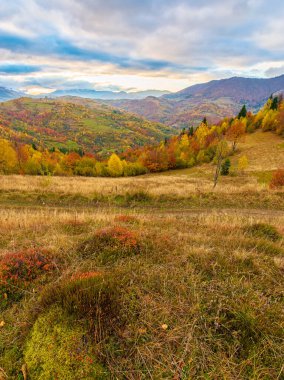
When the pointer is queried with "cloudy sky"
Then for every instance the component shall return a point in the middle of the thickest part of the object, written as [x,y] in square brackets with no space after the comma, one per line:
[137,44]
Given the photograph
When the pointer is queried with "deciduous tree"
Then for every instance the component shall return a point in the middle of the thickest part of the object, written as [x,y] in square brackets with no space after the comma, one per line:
[115,166]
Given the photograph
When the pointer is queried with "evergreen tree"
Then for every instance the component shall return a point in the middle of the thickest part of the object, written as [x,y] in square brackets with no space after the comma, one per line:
[274,104]
[182,132]
[190,131]
[225,168]
[243,112]
[204,121]
[81,152]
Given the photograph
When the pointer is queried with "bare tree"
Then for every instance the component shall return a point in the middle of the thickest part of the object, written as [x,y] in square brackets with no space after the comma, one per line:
[221,153]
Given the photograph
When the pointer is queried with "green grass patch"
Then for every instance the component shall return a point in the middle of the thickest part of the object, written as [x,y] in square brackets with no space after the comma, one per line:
[263,176]
[265,231]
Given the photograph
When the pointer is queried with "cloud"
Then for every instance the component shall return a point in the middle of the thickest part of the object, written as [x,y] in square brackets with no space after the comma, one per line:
[18,69]
[55,46]
[275,71]
[183,41]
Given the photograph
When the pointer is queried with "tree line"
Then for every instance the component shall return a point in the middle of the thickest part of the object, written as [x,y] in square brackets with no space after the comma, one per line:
[193,146]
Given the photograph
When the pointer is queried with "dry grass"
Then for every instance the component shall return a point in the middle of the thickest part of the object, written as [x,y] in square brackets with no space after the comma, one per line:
[265,151]
[202,297]
[177,184]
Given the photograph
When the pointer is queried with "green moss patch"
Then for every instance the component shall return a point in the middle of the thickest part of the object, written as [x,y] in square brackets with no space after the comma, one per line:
[59,348]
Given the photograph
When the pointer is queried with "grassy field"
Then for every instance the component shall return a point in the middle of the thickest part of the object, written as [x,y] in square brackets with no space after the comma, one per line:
[154,277]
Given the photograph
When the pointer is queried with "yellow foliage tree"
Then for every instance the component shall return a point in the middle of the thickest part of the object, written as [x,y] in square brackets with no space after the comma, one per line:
[8,157]
[243,163]
[115,166]
[201,132]
[184,142]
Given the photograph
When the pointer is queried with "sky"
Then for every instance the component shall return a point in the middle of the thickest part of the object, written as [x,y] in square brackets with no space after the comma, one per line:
[135,45]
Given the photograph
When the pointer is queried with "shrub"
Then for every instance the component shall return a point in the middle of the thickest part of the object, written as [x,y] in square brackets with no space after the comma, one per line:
[59,348]
[263,230]
[110,244]
[225,168]
[277,179]
[19,269]
[133,169]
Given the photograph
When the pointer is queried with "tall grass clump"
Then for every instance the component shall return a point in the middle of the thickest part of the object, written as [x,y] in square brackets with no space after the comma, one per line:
[263,230]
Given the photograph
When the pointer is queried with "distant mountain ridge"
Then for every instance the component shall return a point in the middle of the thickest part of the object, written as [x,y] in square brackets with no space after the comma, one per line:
[251,90]
[214,100]
[106,95]
[8,94]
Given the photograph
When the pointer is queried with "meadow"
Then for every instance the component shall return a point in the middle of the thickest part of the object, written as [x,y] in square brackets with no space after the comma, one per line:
[153,277]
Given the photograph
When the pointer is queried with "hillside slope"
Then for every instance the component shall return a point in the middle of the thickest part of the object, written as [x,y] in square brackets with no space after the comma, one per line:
[264,151]
[253,91]
[67,124]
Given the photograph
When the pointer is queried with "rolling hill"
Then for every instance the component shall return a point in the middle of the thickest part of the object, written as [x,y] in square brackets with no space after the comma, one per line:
[71,125]
[215,100]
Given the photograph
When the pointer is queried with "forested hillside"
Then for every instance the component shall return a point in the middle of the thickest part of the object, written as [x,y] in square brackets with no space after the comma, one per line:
[207,143]
[64,125]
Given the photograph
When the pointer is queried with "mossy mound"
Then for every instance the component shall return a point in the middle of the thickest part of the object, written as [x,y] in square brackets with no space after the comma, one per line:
[108,245]
[60,348]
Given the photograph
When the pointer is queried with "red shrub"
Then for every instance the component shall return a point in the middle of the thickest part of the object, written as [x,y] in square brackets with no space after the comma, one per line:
[19,269]
[110,244]
[277,179]
[120,235]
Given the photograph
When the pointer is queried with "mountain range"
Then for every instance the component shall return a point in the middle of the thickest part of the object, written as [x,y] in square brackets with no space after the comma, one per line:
[94,94]
[214,100]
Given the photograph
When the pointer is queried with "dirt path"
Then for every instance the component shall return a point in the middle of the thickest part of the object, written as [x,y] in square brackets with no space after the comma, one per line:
[189,212]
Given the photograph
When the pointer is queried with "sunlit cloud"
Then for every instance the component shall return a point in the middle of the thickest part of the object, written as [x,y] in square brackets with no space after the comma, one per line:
[128,44]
